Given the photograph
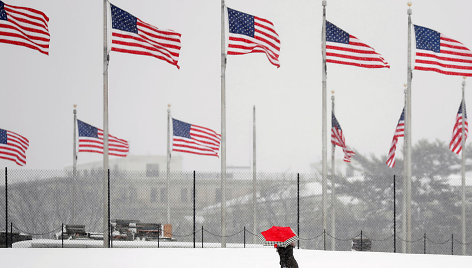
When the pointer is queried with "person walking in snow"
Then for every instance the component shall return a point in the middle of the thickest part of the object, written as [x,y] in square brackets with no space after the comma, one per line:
[287,260]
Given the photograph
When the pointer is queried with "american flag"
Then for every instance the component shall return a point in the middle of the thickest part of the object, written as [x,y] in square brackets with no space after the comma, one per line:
[337,138]
[251,34]
[134,36]
[193,139]
[343,48]
[456,142]
[438,53]
[13,147]
[399,132]
[91,141]
[24,26]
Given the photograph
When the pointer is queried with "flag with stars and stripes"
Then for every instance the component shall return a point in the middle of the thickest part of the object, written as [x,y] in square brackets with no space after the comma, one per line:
[91,141]
[399,132]
[438,53]
[252,34]
[131,35]
[24,26]
[456,142]
[343,48]
[13,147]
[193,139]
[337,138]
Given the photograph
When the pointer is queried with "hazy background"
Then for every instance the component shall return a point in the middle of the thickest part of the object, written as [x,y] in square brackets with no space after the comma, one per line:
[38,91]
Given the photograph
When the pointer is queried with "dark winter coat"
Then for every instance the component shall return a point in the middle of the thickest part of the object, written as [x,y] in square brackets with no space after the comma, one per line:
[286,257]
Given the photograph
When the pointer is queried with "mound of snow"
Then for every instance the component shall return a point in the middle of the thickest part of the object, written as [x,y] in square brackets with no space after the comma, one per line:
[217,258]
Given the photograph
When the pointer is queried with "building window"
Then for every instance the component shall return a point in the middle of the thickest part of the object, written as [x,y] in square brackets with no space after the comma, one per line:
[152,170]
[184,195]
[163,194]
[153,195]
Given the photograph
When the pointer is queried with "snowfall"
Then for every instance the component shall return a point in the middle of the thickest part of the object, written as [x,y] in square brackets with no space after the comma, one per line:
[90,256]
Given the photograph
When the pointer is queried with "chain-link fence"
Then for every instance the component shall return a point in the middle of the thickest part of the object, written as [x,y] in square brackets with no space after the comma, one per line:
[184,209]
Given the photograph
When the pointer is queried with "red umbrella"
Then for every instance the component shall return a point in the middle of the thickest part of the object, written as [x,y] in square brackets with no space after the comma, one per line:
[280,236]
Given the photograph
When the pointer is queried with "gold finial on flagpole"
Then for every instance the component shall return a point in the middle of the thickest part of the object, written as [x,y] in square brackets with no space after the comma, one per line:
[409,4]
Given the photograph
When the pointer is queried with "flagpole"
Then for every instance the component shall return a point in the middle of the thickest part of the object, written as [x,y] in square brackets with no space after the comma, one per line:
[404,190]
[333,175]
[324,152]
[74,165]
[223,127]
[464,115]
[408,134]
[168,164]
[254,193]
[106,232]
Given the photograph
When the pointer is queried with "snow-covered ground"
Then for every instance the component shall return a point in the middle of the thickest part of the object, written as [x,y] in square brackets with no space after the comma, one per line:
[216,257]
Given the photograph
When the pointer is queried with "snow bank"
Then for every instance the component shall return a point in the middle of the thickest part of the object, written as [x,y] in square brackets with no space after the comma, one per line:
[218,258]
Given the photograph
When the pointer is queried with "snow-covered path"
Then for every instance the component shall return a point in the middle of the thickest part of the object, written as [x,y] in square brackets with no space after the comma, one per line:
[227,257]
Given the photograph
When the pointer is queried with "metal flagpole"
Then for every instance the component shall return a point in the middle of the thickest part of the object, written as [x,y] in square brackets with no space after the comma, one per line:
[254,172]
[223,128]
[106,226]
[324,152]
[408,135]
[74,166]
[333,174]
[404,187]
[464,245]
[168,164]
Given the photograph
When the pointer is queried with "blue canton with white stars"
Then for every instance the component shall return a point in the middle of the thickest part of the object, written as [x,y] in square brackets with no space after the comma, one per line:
[402,116]
[427,39]
[3,136]
[335,34]
[334,122]
[86,130]
[3,13]
[240,23]
[122,20]
[181,129]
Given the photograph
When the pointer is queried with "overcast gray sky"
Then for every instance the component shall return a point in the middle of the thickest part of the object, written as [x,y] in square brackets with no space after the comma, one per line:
[39,91]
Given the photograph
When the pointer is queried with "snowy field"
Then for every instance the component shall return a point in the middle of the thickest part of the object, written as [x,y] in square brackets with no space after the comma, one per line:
[216,257]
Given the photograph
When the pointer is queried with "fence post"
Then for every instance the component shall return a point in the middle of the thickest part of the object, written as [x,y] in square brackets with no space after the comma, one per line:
[62,235]
[202,236]
[6,207]
[361,241]
[324,239]
[394,216]
[11,234]
[158,241]
[194,215]
[298,209]
[244,237]
[424,243]
[452,244]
